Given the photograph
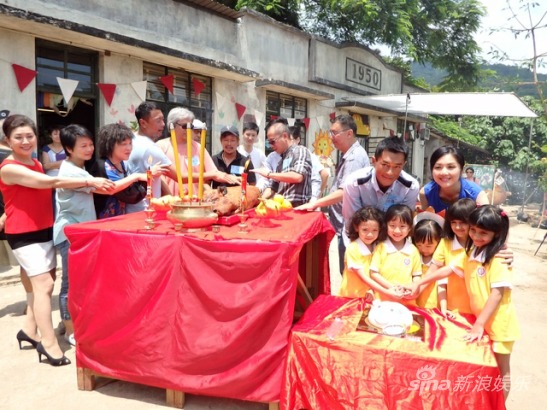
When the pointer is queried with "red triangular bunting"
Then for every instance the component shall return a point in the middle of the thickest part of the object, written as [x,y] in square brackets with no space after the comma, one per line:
[23,75]
[274,117]
[198,86]
[306,122]
[108,91]
[168,81]
[332,116]
[240,110]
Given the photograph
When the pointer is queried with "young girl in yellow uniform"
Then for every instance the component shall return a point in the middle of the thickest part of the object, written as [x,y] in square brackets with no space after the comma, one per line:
[366,229]
[452,294]
[489,282]
[426,236]
[396,262]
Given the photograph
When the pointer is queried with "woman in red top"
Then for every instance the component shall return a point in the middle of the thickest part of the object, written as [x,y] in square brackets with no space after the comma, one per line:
[27,196]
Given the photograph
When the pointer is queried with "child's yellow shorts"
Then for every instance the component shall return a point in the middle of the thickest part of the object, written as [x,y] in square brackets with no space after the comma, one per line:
[502,347]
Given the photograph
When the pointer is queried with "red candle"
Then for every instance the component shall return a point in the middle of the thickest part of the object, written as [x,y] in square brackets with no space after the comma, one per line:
[149,184]
[244,182]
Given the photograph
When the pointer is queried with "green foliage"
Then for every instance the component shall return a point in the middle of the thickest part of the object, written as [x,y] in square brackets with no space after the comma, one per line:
[506,138]
[540,166]
[439,31]
[492,77]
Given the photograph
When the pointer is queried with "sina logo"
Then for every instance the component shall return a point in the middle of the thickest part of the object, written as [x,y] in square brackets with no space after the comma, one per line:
[425,380]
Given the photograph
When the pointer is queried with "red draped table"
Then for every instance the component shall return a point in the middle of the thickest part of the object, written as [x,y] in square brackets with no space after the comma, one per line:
[205,313]
[364,370]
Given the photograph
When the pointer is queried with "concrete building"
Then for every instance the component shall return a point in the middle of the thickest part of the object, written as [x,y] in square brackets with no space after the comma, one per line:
[248,67]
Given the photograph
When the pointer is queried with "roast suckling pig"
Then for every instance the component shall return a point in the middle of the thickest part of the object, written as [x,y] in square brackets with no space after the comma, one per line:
[229,202]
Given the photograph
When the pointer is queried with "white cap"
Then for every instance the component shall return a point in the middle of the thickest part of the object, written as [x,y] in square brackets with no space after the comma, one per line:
[198,125]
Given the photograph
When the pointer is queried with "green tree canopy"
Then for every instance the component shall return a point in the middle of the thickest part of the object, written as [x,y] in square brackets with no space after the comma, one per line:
[436,31]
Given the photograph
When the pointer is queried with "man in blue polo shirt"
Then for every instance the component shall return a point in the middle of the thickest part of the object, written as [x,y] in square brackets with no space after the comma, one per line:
[381,185]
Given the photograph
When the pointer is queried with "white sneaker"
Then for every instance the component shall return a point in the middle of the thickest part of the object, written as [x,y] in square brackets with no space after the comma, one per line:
[70,339]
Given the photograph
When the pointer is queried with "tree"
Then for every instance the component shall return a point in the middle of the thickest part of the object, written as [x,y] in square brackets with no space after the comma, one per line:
[522,24]
[436,31]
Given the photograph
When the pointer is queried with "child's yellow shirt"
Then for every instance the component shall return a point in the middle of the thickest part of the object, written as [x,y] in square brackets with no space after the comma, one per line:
[480,279]
[398,267]
[357,256]
[428,298]
[457,299]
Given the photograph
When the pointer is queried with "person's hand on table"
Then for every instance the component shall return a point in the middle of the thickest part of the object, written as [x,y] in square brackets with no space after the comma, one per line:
[306,207]
[475,334]
[447,313]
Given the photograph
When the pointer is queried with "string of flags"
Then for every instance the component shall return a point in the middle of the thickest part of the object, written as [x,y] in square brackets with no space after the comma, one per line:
[25,76]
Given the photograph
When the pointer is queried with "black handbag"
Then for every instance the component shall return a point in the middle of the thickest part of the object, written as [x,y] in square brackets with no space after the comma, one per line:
[134,193]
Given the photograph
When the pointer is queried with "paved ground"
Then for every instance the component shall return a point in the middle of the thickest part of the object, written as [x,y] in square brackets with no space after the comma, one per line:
[30,385]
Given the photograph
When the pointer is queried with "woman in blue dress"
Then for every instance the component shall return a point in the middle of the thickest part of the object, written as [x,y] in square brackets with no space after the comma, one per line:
[448,185]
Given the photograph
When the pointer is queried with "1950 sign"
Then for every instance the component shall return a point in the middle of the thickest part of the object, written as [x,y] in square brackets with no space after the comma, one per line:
[363,74]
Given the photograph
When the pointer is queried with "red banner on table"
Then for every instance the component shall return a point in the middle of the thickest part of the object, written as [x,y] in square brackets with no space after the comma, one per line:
[205,313]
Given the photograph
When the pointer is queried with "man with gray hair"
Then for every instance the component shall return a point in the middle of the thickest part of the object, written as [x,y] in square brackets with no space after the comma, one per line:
[183,119]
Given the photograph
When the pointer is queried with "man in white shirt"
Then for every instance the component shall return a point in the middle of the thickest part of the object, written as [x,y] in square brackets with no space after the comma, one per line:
[250,137]
[146,153]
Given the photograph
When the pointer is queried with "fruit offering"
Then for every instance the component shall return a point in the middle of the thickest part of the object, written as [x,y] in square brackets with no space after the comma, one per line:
[267,208]
[284,204]
[163,203]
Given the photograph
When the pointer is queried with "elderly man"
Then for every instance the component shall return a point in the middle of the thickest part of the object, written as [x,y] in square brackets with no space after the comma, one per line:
[343,131]
[183,119]
[230,160]
[292,177]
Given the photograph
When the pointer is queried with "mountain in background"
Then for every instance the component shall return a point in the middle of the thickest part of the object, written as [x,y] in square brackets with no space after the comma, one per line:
[505,79]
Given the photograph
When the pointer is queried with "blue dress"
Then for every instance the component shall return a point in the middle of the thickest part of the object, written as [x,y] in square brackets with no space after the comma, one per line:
[468,190]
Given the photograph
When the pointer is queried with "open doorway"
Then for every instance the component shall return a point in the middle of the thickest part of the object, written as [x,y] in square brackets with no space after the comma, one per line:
[59,60]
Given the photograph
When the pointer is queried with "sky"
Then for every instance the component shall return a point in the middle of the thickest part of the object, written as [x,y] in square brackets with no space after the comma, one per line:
[499,17]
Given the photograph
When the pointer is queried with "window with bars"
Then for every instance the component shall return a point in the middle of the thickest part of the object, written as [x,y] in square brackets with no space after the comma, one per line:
[287,106]
[55,60]
[183,93]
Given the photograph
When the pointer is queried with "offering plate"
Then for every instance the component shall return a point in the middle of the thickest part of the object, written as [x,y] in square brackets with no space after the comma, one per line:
[192,216]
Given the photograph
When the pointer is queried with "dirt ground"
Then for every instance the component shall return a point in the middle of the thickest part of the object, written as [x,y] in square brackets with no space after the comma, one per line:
[29,385]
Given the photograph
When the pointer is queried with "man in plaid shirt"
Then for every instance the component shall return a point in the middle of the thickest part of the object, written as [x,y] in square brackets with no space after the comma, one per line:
[292,178]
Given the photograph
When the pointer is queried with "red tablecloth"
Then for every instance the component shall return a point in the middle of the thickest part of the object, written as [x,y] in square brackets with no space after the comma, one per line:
[363,370]
[201,313]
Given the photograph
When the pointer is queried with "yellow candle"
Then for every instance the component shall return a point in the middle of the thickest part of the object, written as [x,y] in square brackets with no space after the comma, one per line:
[189,160]
[201,163]
[177,159]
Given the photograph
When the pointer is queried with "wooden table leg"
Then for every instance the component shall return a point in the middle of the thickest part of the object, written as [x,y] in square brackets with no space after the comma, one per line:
[175,398]
[273,406]
[86,379]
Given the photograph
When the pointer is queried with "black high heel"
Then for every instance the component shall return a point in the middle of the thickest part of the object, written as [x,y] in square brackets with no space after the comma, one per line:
[23,337]
[63,361]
